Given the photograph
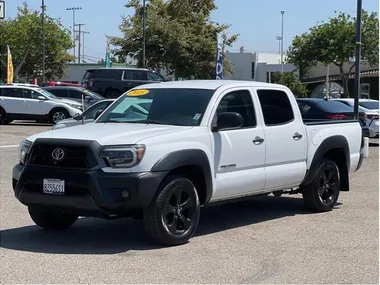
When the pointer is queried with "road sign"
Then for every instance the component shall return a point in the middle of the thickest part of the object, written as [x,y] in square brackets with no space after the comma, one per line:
[2,10]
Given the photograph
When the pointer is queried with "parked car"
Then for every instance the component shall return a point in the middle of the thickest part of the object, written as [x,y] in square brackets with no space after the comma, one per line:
[59,83]
[200,143]
[22,84]
[19,102]
[87,115]
[313,109]
[75,94]
[371,109]
[112,82]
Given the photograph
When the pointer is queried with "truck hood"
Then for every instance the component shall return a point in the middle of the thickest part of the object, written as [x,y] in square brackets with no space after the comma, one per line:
[110,133]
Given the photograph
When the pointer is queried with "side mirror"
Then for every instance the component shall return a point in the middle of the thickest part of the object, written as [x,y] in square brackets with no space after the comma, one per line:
[77,117]
[228,121]
[40,97]
[88,98]
[97,114]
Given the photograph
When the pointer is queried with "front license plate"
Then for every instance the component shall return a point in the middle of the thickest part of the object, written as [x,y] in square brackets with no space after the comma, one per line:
[54,186]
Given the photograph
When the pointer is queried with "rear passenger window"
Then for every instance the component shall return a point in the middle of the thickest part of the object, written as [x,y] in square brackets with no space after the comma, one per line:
[276,107]
[61,93]
[239,102]
[135,75]
[107,73]
[12,92]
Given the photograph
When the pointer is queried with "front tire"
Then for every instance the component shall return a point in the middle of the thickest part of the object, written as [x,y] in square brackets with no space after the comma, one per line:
[51,220]
[173,216]
[58,115]
[322,193]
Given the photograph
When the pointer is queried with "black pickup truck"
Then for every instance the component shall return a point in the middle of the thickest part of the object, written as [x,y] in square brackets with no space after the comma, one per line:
[112,82]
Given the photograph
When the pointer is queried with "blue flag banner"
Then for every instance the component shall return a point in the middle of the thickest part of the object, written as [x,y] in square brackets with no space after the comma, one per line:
[219,60]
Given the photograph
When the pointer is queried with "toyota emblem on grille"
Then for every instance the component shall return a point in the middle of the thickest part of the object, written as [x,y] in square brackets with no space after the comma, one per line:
[58,154]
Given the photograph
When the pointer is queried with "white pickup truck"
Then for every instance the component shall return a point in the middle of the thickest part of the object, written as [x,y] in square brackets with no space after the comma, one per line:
[163,150]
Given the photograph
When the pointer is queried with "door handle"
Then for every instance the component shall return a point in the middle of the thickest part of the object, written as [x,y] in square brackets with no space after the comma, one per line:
[258,140]
[297,136]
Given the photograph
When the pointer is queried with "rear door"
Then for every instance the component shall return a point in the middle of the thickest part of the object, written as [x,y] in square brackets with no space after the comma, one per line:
[285,136]
[239,154]
[11,100]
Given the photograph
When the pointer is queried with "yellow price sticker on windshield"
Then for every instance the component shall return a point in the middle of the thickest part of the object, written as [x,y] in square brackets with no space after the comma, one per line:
[139,92]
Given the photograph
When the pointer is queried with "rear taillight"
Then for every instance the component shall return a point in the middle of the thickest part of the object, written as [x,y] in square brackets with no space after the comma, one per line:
[336,117]
[373,117]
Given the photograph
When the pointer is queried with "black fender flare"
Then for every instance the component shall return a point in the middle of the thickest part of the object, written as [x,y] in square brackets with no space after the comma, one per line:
[333,142]
[186,157]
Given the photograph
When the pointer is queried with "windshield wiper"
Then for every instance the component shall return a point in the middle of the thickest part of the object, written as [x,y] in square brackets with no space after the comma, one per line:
[153,122]
[111,121]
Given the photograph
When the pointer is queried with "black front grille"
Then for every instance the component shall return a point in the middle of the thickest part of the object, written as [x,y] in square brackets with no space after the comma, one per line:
[75,156]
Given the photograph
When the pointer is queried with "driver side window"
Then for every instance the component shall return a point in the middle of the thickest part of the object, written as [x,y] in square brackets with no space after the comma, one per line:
[239,101]
[91,111]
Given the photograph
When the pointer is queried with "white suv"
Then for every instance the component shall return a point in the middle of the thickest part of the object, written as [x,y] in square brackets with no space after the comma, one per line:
[33,103]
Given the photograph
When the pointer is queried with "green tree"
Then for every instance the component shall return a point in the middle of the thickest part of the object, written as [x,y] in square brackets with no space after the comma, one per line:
[301,54]
[180,37]
[290,80]
[23,34]
[334,42]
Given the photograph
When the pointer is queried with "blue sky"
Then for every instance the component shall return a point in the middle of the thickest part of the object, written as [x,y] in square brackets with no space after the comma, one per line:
[258,22]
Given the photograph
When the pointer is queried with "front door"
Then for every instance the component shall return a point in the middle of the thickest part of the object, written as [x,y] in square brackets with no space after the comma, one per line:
[239,154]
[32,106]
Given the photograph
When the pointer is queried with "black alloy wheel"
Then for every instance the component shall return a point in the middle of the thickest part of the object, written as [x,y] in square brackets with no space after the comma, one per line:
[328,189]
[323,192]
[172,218]
[179,211]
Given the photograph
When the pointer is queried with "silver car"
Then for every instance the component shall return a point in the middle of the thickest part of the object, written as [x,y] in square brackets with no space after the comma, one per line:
[88,115]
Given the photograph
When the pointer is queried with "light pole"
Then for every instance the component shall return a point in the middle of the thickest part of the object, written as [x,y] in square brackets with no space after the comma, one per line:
[73,9]
[43,41]
[279,44]
[282,41]
[143,27]
[357,57]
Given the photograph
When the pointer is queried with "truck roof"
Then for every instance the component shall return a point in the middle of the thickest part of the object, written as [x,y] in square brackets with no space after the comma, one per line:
[207,84]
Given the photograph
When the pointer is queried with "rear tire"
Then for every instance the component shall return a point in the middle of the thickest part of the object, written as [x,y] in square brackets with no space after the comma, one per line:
[173,216]
[51,220]
[3,115]
[322,193]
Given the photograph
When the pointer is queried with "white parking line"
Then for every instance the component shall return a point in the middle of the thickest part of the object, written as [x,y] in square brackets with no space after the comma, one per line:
[9,146]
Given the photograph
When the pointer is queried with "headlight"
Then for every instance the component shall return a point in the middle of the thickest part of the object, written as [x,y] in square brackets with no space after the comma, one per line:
[76,106]
[123,156]
[23,150]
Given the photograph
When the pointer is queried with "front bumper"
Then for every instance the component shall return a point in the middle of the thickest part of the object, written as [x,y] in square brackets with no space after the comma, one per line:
[87,193]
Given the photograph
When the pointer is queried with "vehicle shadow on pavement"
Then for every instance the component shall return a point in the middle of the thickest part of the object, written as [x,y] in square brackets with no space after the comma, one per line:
[97,236]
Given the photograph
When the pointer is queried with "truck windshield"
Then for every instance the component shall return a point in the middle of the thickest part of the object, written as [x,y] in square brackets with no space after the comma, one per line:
[165,106]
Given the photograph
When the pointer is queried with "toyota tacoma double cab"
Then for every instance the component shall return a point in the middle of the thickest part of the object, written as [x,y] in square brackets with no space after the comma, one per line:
[162,151]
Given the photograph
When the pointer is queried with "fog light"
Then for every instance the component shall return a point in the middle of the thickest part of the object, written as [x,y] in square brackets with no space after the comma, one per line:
[124,194]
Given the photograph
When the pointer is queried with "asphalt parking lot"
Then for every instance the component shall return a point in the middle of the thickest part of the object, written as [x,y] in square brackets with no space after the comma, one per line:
[263,240]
